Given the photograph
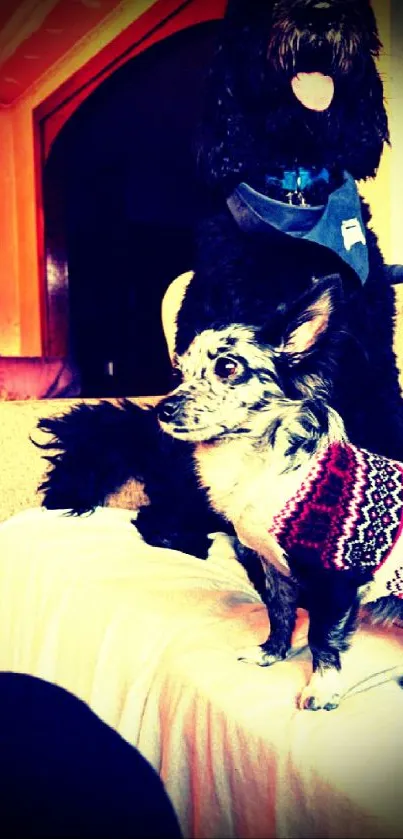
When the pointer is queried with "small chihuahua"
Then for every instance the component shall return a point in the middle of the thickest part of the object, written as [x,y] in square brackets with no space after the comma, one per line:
[324,517]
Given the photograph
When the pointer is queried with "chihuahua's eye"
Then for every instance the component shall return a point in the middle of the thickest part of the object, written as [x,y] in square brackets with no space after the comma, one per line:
[226,368]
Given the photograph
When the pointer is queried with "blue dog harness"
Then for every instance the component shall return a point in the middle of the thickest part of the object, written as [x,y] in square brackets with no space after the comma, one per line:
[336,225]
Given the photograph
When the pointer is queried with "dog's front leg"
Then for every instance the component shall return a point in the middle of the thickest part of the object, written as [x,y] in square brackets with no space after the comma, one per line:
[280,597]
[333,607]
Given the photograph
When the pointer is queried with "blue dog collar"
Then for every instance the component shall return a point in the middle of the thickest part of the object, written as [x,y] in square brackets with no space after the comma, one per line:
[336,225]
[298,179]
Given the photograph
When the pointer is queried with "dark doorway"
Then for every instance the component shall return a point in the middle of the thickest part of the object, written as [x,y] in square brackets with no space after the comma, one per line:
[121,181]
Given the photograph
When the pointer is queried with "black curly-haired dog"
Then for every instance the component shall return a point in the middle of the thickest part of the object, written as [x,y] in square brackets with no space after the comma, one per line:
[294,116]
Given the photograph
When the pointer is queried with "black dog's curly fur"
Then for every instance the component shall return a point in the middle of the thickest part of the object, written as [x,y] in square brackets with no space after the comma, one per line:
[100,447]
[255,126]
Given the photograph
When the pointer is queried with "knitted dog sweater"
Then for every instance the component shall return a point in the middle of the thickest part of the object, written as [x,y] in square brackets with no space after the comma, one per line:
[348,514]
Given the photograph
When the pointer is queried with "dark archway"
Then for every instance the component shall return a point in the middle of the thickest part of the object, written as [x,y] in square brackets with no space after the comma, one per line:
[121,191]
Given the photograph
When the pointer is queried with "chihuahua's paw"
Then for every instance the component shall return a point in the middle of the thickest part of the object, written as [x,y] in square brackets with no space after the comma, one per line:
[258,655]
[323,691]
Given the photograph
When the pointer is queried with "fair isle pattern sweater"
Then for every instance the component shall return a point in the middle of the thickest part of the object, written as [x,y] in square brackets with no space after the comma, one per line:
[348,514]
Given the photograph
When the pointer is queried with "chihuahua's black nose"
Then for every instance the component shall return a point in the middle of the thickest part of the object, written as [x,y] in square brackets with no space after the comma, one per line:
[168,409]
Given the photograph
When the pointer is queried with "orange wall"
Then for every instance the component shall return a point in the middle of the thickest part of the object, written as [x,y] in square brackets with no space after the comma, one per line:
[9,292]
[20,322]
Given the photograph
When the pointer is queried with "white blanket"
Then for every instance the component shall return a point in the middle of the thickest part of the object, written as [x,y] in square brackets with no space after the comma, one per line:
[149,637]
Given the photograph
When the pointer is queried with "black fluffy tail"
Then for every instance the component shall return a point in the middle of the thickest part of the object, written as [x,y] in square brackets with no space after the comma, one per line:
[94,450]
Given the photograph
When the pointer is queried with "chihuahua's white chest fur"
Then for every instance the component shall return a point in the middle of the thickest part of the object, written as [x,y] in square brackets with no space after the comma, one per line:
[244,486]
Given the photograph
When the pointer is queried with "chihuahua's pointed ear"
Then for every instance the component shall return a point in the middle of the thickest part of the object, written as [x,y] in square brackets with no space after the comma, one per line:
[309,320]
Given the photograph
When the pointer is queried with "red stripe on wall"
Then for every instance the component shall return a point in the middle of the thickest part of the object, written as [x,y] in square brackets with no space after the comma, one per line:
[63,27]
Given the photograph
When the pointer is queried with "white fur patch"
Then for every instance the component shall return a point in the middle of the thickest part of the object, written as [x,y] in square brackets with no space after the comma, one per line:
[257,655]
[323,692]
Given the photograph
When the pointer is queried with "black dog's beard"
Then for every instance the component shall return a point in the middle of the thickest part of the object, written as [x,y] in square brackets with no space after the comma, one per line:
[305,38]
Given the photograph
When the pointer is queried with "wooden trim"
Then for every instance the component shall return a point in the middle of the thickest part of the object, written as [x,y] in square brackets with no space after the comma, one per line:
[40,236]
